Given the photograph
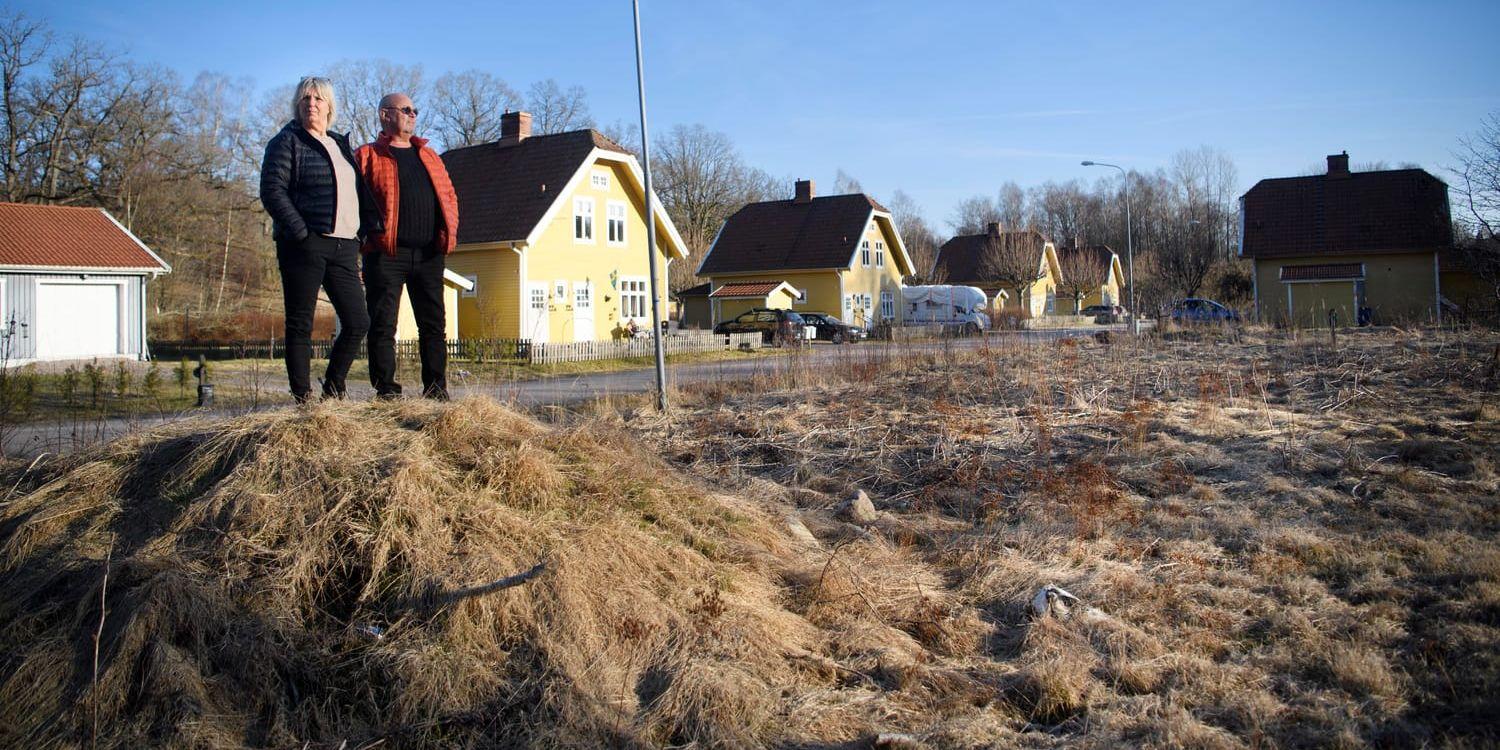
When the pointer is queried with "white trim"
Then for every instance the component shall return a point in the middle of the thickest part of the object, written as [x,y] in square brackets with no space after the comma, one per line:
[571,186]
[165,266]
[879,254]
[81,270]
[462,282]
[864,252]
[900,245]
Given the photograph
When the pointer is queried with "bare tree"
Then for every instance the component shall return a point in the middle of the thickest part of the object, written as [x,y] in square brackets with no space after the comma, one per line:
[359,86]
[23,44]
[701,180]
[921,244]
[1013,260]
[972,215]
[1010,205]
[1478,193]
[555,110]
[1084,271]
[844,183]
[466,107]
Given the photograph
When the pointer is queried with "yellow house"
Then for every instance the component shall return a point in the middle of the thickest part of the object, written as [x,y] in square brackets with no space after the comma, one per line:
[1107,293]
[997,261]
[1363,246]
[552,235]
[730,300]
[840,254]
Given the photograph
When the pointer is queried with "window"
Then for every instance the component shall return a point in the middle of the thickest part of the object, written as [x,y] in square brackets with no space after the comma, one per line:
[599,180]
[538,298]
[583,219]
[879,254]
[864,253]
[473,290]
[848,307]
[869,303]
[615,223]
[633,298]
[887,305]
[581,297]
[560,291]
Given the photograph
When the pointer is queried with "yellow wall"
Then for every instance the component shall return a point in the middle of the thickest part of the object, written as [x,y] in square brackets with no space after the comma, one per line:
[497,311]
[1469,292]
[872,280]
[1110,290]
[1398,289]
[406,321]
[494,310]
[731,308]
[822,290]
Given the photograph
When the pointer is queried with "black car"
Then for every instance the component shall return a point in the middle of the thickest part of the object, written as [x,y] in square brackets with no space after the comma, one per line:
[832,329]
[1196,310]
[777,327]
[1104,313]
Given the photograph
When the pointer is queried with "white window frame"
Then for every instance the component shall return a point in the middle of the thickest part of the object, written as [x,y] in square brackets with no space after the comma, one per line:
[848,307]
[879,254]
[583,298]
[583,221]
[864,253]
[599,179]
[533,302]
[473,290]
[634,297]
[887,306]
[610,221]
[559,291]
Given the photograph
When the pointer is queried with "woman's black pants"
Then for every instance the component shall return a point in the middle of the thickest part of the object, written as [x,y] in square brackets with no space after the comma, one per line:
[333,265]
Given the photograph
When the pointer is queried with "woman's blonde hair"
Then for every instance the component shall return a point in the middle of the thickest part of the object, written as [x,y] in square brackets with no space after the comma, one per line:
[323,88]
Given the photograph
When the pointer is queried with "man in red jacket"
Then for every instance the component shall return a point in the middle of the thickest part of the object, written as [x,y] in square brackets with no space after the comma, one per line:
[415,197]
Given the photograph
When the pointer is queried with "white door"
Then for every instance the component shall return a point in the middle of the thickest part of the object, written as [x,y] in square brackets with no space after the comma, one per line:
[74,321]
[583,312]
[536,312]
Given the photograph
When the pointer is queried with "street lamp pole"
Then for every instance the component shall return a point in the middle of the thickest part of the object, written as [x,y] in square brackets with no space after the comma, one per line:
[656,328]
[1135,327]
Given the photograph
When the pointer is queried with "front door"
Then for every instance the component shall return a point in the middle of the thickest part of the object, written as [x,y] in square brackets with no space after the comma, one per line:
[536,312]
[583,312]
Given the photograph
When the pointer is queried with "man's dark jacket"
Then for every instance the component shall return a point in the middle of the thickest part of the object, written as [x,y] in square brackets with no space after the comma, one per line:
[298,188]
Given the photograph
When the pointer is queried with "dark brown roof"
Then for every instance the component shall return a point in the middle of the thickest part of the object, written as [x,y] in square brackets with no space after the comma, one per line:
[1102,253]
[959,258]
[781,235]
[503,190]
[1323,272]
[1399,210]
[701,290]
[69,237]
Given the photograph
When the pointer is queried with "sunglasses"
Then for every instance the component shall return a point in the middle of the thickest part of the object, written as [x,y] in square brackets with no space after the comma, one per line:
[408,111]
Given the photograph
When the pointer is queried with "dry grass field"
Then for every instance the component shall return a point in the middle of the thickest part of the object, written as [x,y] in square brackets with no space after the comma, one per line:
[1274,541]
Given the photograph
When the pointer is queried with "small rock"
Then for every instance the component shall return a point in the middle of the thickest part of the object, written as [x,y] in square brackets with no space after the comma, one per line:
[798,530]
[859,509]
[1103,337]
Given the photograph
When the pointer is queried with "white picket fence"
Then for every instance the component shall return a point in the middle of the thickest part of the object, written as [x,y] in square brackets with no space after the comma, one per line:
[674,343]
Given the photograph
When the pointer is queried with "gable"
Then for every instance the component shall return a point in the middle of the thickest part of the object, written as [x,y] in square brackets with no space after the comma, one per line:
[786,235]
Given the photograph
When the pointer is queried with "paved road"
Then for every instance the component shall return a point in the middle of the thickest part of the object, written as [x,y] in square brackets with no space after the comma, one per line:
[30,440]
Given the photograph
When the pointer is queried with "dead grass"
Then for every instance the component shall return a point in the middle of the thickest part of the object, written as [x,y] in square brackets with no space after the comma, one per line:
[1275,543]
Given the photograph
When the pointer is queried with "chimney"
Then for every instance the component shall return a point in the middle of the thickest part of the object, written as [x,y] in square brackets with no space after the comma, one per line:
[804,191]
[514,127]
[992,229]
[1338,164]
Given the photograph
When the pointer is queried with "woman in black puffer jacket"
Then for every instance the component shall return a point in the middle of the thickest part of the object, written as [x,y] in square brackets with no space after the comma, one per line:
[321,209]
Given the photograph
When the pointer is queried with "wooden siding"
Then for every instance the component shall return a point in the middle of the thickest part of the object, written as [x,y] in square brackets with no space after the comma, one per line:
[19,300]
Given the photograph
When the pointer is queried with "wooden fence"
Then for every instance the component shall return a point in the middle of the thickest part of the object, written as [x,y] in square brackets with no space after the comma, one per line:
[513,351]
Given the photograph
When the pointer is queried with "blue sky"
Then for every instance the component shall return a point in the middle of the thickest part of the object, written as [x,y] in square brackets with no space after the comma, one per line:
[944,100]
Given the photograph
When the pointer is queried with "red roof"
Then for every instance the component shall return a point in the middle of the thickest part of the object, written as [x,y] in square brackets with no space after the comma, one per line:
[754,289]
[1323,272]
[67,237]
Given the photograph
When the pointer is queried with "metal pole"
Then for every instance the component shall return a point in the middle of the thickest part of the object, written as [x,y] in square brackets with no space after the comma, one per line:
[1135,325]
[656,328]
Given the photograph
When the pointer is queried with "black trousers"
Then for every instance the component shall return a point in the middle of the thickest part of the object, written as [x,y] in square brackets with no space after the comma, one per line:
[333,265]
[420,272]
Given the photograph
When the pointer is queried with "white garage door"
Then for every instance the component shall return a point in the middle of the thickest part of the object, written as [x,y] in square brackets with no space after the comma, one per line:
[77,320]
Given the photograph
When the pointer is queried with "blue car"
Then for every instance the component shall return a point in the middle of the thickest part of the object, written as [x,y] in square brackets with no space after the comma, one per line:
[1195,310]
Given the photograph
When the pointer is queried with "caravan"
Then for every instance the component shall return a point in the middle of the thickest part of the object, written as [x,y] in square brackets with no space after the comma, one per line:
[947,304]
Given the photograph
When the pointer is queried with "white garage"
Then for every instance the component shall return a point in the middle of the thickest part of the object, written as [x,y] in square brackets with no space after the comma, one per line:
[72,285]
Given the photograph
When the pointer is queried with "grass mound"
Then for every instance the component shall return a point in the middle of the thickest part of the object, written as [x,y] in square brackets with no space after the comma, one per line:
[422,575]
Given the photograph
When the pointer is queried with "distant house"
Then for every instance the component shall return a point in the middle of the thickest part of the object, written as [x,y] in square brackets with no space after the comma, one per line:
[1365,246]
[72,284]
[552,235]
[693,302]
[840,254]
[962,260]
[1109,292]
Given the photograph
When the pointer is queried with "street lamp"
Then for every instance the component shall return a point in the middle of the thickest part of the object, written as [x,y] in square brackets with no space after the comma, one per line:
[1135,327]
[656,328]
